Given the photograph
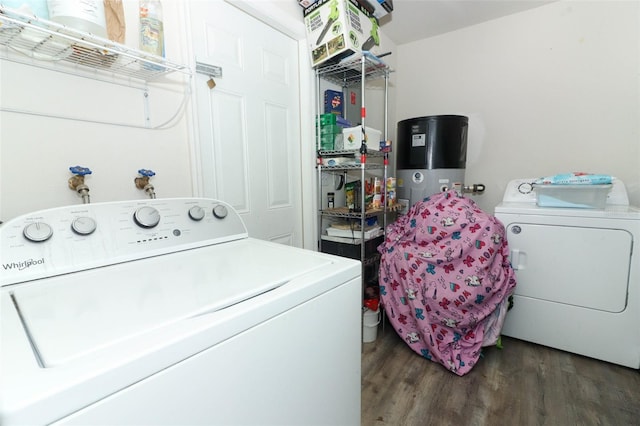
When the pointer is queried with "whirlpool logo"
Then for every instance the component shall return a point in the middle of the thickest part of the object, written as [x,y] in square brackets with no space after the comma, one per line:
[22,265]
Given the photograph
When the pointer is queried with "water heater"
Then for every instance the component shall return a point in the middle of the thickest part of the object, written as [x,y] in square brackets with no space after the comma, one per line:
[431,156]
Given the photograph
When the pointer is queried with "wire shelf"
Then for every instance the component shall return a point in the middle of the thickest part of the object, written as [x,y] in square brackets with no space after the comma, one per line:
[353,166]
[349,73]
[58,46]
[345,212]
[348,153]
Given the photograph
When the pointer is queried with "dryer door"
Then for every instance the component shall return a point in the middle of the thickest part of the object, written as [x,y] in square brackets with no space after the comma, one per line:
[587,267]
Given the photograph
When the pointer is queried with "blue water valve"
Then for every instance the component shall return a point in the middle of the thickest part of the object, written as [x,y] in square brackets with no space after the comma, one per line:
[80,171]
[147,173]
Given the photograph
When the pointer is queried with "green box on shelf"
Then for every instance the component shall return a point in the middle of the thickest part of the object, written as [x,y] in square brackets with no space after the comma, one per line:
[330,129]
[327,142]
[327,119]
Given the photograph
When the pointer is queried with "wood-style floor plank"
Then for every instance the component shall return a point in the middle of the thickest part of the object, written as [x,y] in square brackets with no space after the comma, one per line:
[522,384]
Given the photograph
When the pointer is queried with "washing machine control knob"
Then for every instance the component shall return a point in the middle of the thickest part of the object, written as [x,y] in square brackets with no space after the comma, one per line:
[83,225]
[37,232]
[146,217]
[220,211]
[196,213]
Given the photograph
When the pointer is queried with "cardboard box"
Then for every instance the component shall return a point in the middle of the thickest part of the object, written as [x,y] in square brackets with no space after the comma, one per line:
[337,29]
[352,138]
[381,8]
[333,102]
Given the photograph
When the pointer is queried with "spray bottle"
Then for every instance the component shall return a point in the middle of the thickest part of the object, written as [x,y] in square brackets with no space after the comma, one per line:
[151,29]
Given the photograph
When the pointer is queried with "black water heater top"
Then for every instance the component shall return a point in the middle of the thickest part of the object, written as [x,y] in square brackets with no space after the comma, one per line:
[432,142]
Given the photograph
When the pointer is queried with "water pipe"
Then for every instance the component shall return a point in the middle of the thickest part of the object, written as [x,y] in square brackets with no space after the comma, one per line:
[476,188]
[76,182]
[142,182]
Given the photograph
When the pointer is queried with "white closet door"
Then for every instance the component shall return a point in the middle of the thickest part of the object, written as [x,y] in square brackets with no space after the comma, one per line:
[249,124]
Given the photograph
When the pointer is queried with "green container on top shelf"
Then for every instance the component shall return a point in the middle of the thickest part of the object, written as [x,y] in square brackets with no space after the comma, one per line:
[326,119]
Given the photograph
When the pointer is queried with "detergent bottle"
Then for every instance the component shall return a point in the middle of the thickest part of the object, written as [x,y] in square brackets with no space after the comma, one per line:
[151,28]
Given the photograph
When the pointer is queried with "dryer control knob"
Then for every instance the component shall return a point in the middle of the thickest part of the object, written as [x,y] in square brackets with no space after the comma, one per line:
[196,213]
[146,217]
[37,232]
[220,211]
[83,225]
[525,188]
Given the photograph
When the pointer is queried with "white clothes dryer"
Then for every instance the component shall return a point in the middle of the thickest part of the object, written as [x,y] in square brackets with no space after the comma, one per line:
[578,274]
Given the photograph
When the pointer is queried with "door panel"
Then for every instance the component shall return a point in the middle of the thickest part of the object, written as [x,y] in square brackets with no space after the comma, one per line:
[580,266]
[231,175]
[249,122]
[277,157]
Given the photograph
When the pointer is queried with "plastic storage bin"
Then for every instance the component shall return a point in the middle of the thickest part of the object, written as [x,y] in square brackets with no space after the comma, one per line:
[572,196]
[352,138]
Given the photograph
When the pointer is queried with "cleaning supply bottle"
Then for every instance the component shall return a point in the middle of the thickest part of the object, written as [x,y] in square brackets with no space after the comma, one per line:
[83,15]
[151,29]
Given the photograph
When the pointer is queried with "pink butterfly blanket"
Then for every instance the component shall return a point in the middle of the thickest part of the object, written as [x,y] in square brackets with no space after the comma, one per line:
[445,278]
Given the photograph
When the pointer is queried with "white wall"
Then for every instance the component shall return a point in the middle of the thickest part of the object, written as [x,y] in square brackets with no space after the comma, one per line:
[37,150]
[553,89]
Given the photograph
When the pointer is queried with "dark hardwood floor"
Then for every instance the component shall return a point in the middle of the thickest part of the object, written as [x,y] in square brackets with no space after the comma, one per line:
[521,384]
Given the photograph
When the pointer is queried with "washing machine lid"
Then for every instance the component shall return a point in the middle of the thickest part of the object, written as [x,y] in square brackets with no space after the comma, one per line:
[72,316]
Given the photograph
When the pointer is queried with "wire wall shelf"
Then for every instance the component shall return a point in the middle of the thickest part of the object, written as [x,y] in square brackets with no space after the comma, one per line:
[35,41]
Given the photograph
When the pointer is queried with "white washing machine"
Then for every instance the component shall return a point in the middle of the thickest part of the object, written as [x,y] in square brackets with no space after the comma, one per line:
[165,312]
[578,274]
